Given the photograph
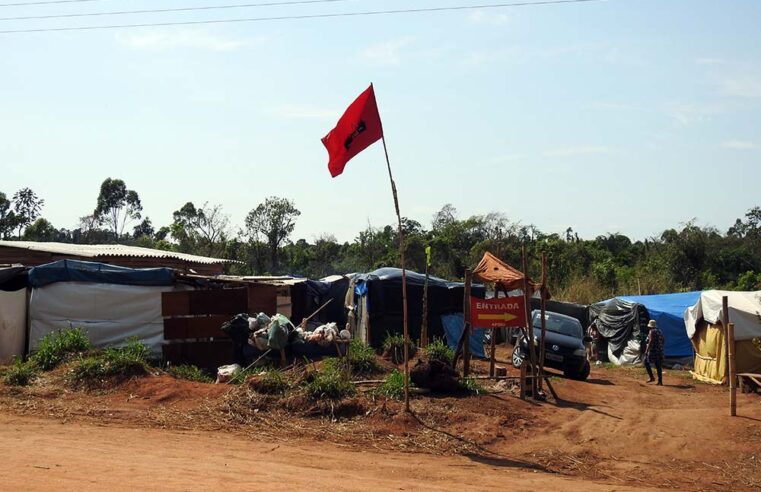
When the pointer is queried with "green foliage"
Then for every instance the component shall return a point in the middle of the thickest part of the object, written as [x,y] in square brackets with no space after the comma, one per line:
[117,206]
[56,347]
[440,351]
[393,347]
[271,382]
[20,373]
[111,364]
[392,386]
[189,372]
[330,382]
[361,358]
[472,386]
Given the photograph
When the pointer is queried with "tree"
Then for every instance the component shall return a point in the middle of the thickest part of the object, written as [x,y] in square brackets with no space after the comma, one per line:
[117,206]
[200,230]
[26,207]
[7,217]
[272,222]
[42,230]
[143,229]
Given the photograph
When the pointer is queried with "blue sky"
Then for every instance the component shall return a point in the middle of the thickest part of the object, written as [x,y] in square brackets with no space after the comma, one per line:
[615,116]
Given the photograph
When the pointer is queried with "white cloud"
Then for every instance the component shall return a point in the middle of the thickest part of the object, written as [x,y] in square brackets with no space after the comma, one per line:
[305,112]
[709,61]
[386,52]
[739,145]
[747,85]
[480,16]
[578,150]
[163,40]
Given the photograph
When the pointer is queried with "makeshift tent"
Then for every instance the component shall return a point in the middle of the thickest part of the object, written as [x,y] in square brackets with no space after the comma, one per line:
[704,326]
[111,304]
[377,304]
[492,269]
[12,313]
[668,312]
[623,325]
[309,295]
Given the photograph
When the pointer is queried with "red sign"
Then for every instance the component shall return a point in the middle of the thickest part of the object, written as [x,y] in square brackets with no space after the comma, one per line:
[505,312]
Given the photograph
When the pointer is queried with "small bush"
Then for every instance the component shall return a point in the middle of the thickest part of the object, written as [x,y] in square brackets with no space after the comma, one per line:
[440,351]
[189,372]
[331,382]
[271,382]
[392,386]
[20,373]
[111,364]
[361,358]
[54,348]
[472,386]
[393,348]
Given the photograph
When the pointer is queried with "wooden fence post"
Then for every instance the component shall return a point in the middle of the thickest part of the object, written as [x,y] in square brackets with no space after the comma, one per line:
[466,324]
[732,370]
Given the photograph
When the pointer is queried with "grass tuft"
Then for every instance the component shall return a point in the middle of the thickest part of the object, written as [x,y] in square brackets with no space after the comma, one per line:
[271,382]
[115,364]
[392,386]
[393,348]
[440,351]
[361,358]
[20,373]
[472,386]
[331,382]
[55,348]
[190,373]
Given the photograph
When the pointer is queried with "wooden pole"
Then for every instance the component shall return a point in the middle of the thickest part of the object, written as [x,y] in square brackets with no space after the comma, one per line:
[493,355]
[725,325]
[529,324]
[404,282]
[466,324]
[542,308]
[732,370]
[424,321]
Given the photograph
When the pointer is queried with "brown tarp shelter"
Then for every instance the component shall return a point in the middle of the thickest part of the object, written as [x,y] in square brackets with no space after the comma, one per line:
[492,269]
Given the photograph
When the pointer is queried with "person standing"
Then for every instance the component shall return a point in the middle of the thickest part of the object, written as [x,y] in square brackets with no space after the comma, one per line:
[654,352]
[592,344]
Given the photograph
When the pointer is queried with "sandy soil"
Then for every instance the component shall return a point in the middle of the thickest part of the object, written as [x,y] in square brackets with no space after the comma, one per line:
[613,432]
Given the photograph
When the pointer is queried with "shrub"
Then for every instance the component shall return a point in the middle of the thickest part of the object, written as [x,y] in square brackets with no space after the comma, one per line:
[271,382]
[330,382]
[392,386]
[189,372]
[56,347]
[20,373]
[393,348]
[361,358]
[440,351]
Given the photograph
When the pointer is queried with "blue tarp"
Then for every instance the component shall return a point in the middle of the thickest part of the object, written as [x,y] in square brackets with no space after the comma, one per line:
[101,273]
[453,330]
[668,311]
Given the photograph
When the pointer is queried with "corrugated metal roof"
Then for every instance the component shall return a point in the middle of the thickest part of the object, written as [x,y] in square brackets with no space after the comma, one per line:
[102,250]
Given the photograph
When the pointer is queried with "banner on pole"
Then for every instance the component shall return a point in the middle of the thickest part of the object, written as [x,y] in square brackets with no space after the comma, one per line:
[506,312]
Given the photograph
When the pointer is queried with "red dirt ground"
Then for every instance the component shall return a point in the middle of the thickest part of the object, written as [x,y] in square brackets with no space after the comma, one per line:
[613,432]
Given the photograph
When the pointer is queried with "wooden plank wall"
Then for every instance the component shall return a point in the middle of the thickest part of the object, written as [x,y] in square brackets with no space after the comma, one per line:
[193,321]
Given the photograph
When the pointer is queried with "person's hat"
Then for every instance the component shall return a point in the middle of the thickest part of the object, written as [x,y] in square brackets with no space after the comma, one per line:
[651,323]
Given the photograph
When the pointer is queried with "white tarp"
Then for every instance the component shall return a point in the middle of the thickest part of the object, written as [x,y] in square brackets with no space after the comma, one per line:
[12,324]
[744,312]
[109,313]
[630,356]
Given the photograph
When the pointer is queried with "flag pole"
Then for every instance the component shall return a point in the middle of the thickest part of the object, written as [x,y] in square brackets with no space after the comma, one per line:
[404,278]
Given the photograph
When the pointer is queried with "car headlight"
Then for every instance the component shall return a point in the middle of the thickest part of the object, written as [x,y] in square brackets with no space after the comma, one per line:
[580,352]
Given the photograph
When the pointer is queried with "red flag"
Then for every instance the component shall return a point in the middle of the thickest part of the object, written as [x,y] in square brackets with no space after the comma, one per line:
[359,127]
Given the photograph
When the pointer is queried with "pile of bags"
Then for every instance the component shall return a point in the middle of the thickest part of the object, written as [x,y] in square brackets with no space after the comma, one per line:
[324,335]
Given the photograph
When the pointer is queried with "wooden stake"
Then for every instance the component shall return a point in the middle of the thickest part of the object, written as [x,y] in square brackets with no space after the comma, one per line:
[725,324]
[542,308]
[404,282]
[493,354]
[466,324]
[424,321]
[529,324]
[732,370]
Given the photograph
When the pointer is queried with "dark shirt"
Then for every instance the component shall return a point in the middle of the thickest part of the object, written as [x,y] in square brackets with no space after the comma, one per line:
[654,351]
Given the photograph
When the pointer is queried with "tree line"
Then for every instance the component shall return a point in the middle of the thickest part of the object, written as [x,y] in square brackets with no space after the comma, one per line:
[688,257]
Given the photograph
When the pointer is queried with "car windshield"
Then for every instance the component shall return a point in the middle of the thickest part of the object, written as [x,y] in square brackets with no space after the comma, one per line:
[559,324]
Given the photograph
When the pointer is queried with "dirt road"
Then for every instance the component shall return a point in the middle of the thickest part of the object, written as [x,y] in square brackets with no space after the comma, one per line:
[43,454]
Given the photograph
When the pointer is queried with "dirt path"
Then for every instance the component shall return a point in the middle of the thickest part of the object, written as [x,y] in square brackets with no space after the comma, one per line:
[43,454]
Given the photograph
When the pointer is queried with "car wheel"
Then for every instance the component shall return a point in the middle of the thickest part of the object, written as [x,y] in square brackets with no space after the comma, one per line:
[517,359]
[578,374]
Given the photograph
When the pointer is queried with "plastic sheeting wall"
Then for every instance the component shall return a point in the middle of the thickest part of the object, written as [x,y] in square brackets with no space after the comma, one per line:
[12,324]
[109,313]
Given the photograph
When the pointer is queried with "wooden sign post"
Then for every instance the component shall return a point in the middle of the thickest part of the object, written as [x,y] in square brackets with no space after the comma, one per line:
[466,325]
[732,370]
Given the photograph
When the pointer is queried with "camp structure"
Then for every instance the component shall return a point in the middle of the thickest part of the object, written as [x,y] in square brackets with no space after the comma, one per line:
[13,303]
[577,311]
[493,270]
[31,253]
[110,303]
[708,335]
[622,321]
[375,304]
[623,326]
